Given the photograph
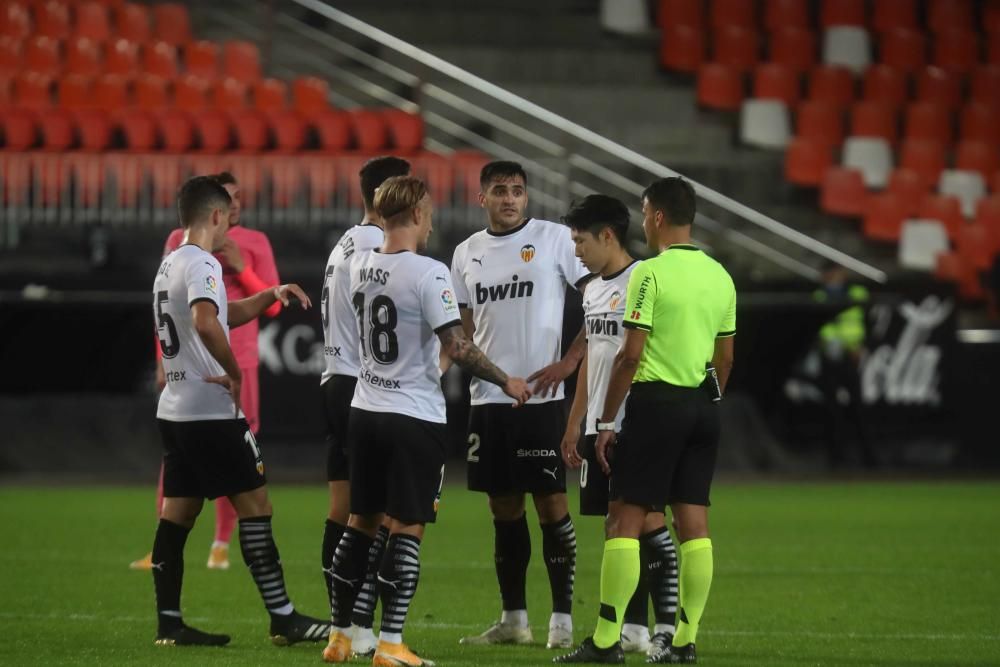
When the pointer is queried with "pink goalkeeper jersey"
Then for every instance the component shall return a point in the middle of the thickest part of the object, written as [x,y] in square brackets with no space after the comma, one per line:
[257,255]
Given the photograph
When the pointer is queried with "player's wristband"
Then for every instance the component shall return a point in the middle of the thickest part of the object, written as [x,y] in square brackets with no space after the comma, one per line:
[605,426]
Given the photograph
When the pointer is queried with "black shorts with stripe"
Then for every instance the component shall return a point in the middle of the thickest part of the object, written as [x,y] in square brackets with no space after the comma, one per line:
[210,459]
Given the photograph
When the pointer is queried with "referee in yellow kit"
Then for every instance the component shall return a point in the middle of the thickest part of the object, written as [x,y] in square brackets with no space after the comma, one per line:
[680,314]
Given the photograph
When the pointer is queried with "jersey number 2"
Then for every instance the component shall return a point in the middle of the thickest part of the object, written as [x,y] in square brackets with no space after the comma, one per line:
[166,330]
[381,337]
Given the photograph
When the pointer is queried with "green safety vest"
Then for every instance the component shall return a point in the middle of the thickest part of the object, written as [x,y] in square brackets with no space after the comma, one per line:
[848,327]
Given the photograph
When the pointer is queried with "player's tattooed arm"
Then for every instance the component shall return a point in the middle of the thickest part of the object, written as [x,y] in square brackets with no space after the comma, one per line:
[466,354]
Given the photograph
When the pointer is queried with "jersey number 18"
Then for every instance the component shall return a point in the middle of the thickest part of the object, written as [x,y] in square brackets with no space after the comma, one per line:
[381,338]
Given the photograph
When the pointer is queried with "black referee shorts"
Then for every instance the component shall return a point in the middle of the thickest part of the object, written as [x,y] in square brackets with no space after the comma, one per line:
[210,459]
[594,484]
[338,392]
[397,465]
[667,448]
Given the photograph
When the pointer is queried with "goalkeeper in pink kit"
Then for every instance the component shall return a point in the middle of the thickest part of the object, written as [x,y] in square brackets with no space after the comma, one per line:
[248,267]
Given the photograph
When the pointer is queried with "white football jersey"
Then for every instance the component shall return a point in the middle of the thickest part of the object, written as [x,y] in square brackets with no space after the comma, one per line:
[603,311]
[401,301]
[515,285]
[186,276]
[340,326]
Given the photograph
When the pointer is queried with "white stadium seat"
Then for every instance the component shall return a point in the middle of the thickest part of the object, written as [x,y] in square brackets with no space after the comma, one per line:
[968,186]
[765,124]
[920,243]
[871,156]
[847,46]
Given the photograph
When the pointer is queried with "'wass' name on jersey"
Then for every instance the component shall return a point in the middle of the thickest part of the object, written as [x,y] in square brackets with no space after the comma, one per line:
[511,290]
[372,275]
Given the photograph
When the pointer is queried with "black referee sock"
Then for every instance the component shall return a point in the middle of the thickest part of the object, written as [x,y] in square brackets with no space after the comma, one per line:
[364,604]
[660,558]
[349,561]
[559,550]
[261,556]
[397,583]
[168,573]
[511,554]
[637,611]
[332,533]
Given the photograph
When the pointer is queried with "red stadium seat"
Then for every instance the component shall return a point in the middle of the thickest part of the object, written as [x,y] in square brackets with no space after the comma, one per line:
[720,87]
[680,13]
[160,58]
[956,50]
[793,47]
[139,128]
[270,95]
[83,56]
[151,92]
[121,57]
[32,90]
[41,54]
[133,22]
[910,186]
[172,23]
[191,93]
[93,21]
[945,15]
[903,49]
[202,59]
[94,128]
[984,85]
[251,130]
[241,60]
[287,175]
[988,213]
[991,18]
[952,267]
[682,48]
[724,13]
[874,119]
[15,21]
[369,129]
[831,84]
[776,82]
[885,84]
[925,120]
[940,86]
[229,94]
[889,14]
[57,129]
[947,210]
[977,156]
[73,92]
[289,131]
[110,92]
[884,216]
[11,57]
[807,161]
[820,122]
[406,130]
[843,192]
[20,129]
[177,131]
[310,96]
[842,12]
[978,123]
[993,51]
[925,157]
[213,130]
[974,244]
[52,19]
[334,130]
[780,14]
[737,47]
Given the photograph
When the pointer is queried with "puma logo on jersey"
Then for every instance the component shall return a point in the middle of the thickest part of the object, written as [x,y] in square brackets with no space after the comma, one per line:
[373,275]
[441,278]
[478,260]
[503,291]
[535,453]
[602,327]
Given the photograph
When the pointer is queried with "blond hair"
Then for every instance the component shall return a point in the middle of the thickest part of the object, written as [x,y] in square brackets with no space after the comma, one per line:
[398,195]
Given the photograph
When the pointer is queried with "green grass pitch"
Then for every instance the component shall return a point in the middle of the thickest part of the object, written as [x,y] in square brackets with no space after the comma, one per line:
[805,574]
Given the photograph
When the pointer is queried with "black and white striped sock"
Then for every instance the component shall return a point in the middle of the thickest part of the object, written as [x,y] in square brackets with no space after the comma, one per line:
[559,551]
[261,556]
[364,604]
[397,582]
[348,572]
[660,556]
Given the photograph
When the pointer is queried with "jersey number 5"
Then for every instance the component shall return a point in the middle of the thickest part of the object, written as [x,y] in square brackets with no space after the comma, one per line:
[381,337]
[166,330]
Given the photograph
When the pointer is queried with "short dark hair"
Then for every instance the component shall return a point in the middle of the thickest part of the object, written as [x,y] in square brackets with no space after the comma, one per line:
[375,172]
[595,212]
[501,169]
[198,197]
[674,197]
[224,178]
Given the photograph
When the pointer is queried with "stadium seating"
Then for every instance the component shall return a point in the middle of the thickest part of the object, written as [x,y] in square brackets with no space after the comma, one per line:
[765,124]
[885,84]
[843,192]
[719,87]
[93,21]
[831,84]
[920,243]
[847,46]
[871,156]
[121,56]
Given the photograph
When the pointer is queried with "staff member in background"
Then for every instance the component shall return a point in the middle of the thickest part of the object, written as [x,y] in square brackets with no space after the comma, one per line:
[680,312]
[248,267]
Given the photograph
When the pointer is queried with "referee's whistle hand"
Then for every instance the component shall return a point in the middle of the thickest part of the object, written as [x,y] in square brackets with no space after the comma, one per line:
[517,389]
[605,441]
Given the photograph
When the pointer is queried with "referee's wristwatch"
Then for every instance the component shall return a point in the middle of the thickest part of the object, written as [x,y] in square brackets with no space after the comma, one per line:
[605,426]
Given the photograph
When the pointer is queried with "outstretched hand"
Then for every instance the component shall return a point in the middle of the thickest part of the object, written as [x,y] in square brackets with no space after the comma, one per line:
[282,293]
[547,379]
